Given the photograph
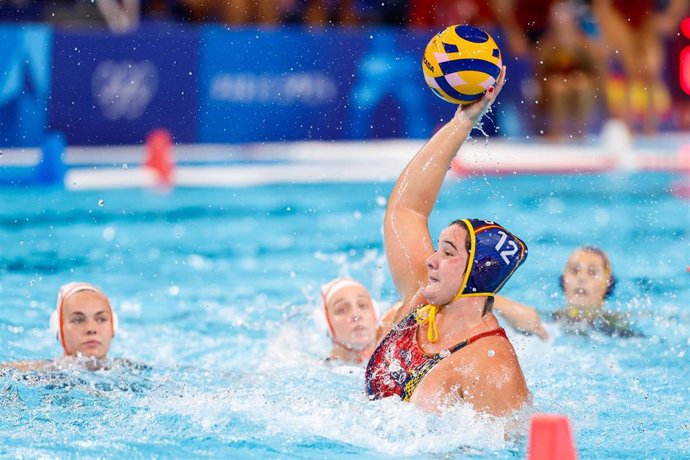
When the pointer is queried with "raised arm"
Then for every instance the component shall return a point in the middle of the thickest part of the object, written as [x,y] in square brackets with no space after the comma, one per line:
[406,230]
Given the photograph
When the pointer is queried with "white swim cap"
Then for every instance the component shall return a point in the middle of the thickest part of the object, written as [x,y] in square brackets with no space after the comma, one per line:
[328,290]
[66,291]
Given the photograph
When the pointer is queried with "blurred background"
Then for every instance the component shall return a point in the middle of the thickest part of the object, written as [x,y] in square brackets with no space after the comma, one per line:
[308,110]
[108,72]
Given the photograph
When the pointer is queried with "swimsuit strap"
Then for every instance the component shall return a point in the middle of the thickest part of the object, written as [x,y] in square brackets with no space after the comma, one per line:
[498,331]
[418,374]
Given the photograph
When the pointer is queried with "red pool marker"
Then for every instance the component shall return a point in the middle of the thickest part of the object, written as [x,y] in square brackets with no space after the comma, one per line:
[550,438]
[159,155]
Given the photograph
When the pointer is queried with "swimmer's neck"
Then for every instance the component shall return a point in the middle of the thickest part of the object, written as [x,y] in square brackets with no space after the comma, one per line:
[461,315]
[350,355]
[586,310]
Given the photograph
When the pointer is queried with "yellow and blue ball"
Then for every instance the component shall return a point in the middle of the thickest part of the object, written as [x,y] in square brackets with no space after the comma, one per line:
[461,63]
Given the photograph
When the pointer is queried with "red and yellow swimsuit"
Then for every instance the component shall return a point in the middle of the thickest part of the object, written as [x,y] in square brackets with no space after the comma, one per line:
[398,364]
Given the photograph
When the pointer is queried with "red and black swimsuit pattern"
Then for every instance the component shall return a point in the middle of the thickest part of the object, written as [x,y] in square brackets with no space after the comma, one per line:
[398,364]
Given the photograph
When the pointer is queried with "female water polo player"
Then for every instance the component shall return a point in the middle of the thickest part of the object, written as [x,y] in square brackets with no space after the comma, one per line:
[587,281]
[448,345]
[352,320]
[84,323]
[351,316]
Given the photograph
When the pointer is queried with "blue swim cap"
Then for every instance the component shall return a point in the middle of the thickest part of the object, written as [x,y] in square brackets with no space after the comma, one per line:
[495,254]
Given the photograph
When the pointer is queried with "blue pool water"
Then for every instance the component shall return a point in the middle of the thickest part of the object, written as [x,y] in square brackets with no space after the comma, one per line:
[216,288]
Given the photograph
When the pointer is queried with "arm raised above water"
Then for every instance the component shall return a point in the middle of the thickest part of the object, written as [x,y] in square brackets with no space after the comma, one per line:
[406,229]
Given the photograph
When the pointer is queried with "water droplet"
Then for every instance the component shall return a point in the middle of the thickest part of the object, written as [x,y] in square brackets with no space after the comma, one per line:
[101,203]
[109,234]
[491,353]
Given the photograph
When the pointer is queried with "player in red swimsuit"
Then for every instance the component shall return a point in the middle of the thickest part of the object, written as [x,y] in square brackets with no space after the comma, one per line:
[461,353]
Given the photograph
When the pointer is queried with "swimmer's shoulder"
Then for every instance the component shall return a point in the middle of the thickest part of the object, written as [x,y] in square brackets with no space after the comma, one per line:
[28,365]
[488,376]
[395,317]
[570,322]
[611,323]
[616,324]
[388,321]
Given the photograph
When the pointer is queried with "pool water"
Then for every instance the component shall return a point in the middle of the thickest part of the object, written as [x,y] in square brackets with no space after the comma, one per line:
[216,290]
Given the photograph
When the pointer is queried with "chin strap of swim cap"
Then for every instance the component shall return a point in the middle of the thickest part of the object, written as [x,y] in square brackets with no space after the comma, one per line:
[427,314]
[470,259]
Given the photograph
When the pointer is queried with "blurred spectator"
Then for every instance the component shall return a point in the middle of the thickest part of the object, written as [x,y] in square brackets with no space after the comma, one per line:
[439,14]
[238,12]
[320,13]
[567,73]
[634,32]
[120,15]
[262,12]
[563,63]
[389,12]
[117,15]
[524,22]
[234,12]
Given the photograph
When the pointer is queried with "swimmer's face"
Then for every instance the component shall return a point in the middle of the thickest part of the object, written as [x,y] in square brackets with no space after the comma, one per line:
[87,324]
[446,266]
[585,280]
[353,318]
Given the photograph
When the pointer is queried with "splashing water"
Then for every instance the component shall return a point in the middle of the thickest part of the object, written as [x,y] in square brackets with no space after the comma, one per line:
[209,286]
